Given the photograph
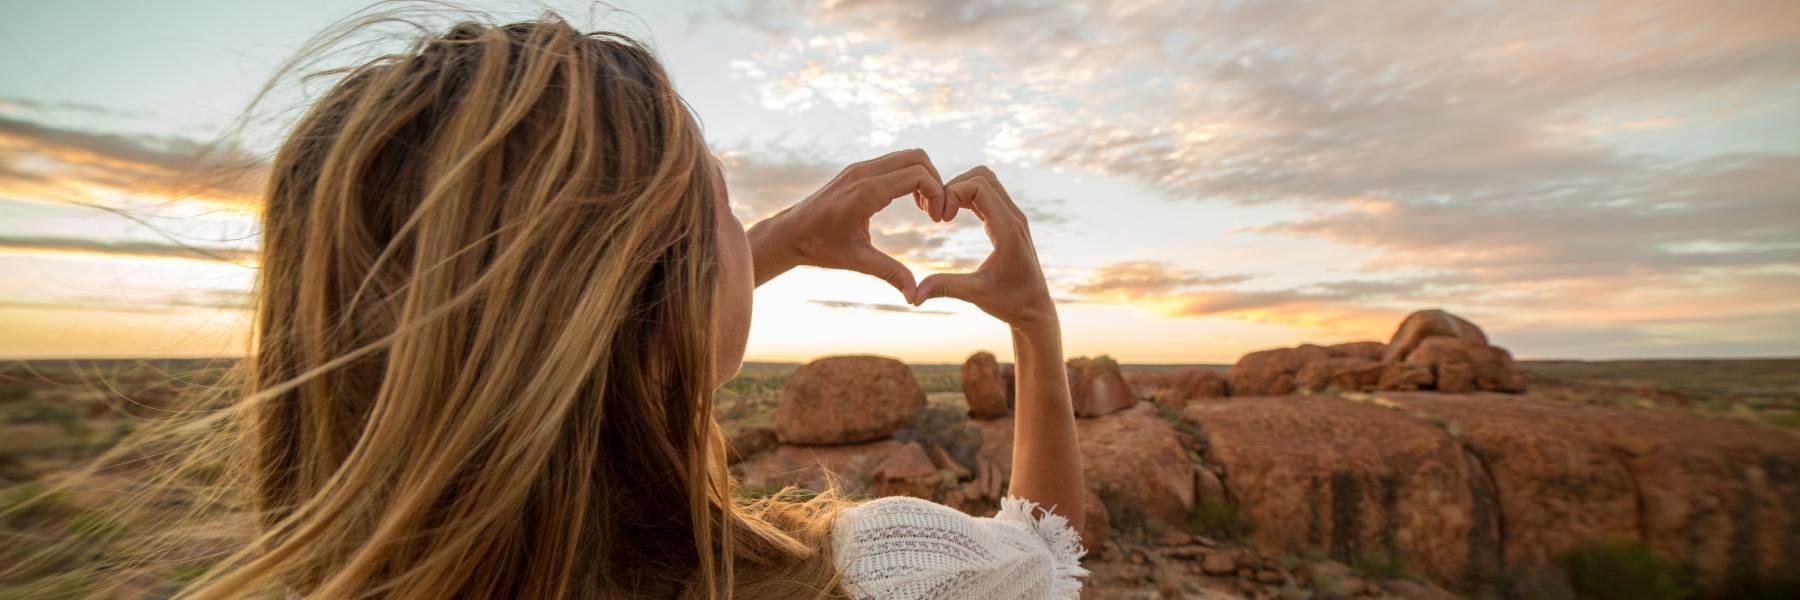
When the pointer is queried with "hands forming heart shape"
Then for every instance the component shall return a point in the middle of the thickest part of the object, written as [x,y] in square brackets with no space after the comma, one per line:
[830,229]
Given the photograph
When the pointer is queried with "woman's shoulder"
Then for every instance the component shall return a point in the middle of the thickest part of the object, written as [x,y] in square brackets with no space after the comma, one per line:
[909,548]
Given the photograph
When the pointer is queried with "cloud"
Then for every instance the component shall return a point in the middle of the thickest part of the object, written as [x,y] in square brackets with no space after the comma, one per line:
[49,163]
[125,249]
[1732,211]
[1139,280]
[15,102]
[1507,159]
[893,308]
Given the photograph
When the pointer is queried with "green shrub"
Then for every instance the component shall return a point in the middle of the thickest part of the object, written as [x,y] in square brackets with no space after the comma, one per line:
[1627,571]
[1219,519]
[1380,566]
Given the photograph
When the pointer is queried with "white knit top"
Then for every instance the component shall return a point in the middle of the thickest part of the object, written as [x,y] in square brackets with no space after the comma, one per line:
[903,548]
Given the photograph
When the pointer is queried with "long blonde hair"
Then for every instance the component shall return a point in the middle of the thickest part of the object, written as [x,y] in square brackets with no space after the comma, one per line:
[483,361]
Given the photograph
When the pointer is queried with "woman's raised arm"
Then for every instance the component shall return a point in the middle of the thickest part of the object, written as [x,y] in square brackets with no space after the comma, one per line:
[1010,286]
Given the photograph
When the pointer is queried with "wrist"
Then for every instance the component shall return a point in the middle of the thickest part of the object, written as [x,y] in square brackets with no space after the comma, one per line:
[1038,327]
[772,250]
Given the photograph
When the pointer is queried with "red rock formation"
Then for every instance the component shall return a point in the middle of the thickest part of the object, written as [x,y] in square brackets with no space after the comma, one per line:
[1558,482]
[809,466]
[1428,324]
[847,399]
[983,388]
[1460,488]
[1723,495]
[1354,479]
[1344,373]
[1097,388]
[749,442]
[906,470]
[1095,527]
[1176,387]
[1271,372]
[1369,351]
[1459,365]
[1430,346]
[1134,461]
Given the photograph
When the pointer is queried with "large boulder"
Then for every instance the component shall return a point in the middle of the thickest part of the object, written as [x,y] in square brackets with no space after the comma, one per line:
[1353,479]
[1426,324]
[1459,365]
[1369,351]
[847,399]
[850,466]
[907,470]
[1135,462]
[1723,496]
[748,442]
[983,388]
[1271,372]
[1132,460]
[1010,383]
[1343,373]
[1177,387]
[1094,527]
[1495,370]
[1097,388]
[1558,482]
[1404,377]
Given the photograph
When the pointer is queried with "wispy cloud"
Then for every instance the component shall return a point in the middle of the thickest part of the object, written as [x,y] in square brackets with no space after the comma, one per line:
[875,306]
[49,163]
[1147,279]
[124,249]
[1471,149]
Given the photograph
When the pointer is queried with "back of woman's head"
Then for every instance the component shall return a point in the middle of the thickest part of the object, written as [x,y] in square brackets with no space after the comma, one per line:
[483,362]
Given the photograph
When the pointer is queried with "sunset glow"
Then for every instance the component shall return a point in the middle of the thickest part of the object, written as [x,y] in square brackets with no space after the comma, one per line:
[1585,180]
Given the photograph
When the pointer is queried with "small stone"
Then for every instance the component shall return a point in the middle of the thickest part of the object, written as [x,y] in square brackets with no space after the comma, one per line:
[1268,576]
[1171,537]
[1219,563]
[1191,551]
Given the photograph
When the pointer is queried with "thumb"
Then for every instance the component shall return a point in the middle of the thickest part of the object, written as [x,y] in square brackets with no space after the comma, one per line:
[869,261]
[960,286]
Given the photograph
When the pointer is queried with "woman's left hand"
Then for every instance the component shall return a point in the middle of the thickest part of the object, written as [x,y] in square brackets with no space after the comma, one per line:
[830,228]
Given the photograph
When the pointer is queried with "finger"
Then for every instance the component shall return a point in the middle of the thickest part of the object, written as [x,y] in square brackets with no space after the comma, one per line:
[877,192]
[961,286]
[979,194]
[935,206]
[982,171]
[870,261]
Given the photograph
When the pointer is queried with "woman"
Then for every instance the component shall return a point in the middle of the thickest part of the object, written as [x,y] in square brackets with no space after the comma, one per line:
[500,283]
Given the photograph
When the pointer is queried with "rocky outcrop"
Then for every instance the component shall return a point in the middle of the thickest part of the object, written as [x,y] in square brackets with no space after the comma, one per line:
[1356,480]
[983,388]
[1340,372]
[1723,495]
[1432,350]
[847,399]
[749,442]
[907,470]
[1271,372]
[851,466]
[1461,488]
[1135,463]
[1426,324]
[1177,387]
[1097,388]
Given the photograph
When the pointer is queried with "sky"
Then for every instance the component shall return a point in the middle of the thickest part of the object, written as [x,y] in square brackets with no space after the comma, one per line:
[1204,179]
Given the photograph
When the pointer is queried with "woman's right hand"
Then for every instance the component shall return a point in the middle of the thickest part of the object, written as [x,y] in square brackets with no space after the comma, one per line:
[1008,285]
